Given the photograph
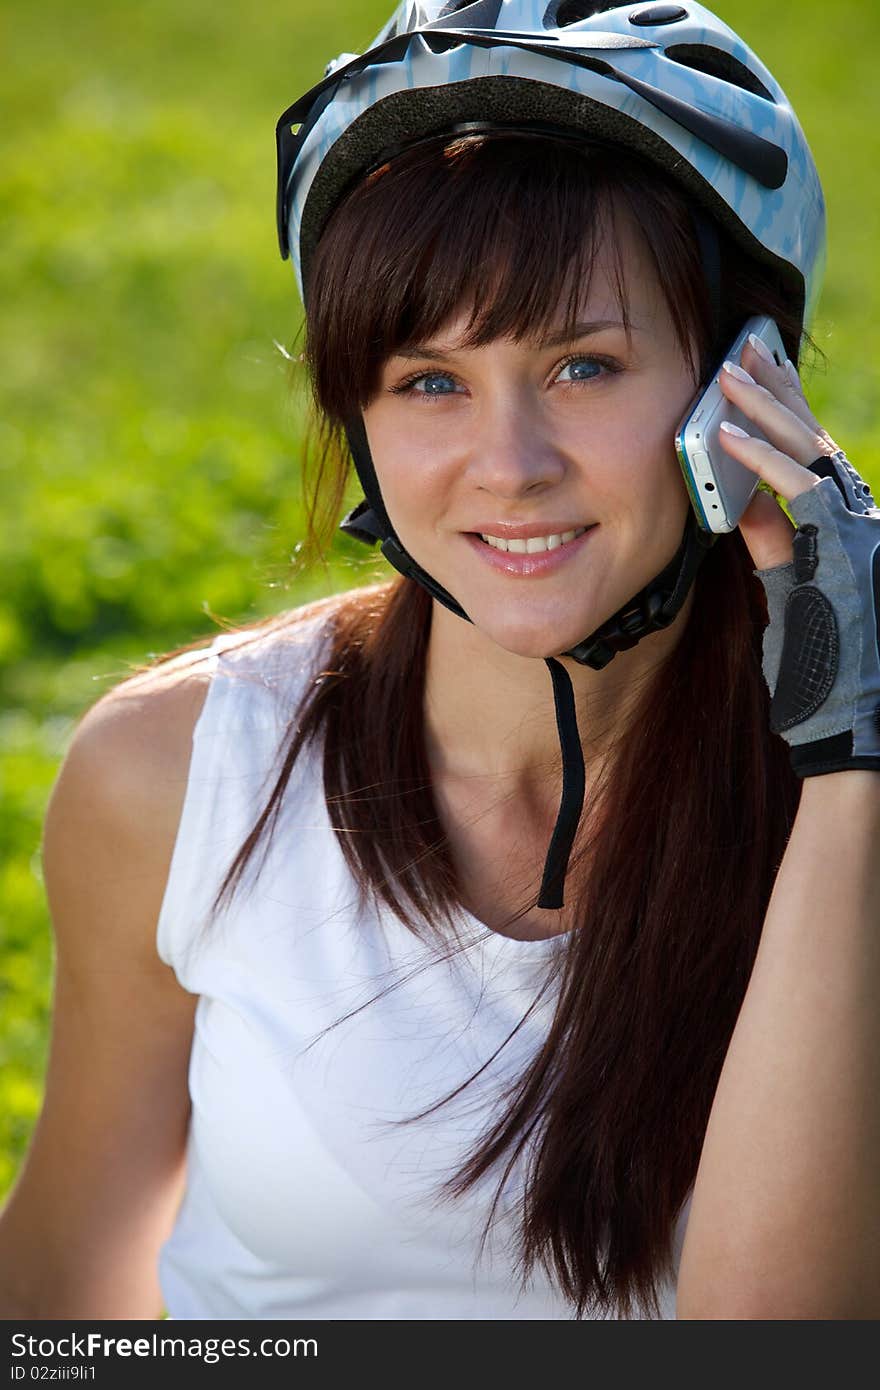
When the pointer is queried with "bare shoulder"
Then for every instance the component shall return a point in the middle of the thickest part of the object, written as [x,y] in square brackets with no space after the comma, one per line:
[133,747]
[113,817]
[153,713]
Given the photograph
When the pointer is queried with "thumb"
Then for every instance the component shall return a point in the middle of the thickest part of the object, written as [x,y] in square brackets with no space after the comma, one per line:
[767,531]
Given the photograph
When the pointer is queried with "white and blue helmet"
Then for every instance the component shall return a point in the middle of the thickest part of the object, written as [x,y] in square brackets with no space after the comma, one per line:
[672,82]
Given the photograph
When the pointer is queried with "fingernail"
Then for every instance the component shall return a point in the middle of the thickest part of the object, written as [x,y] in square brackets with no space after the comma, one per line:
[762,350]
[792,372]
[730,428]
[739,372]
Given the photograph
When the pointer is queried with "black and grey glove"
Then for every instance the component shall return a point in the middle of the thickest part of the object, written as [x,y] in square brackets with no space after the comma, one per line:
[821,655]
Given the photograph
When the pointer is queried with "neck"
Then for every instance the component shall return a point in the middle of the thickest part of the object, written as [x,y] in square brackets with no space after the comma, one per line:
[489,713]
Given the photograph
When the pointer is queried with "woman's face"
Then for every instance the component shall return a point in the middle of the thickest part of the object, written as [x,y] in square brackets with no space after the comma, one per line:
[530,440]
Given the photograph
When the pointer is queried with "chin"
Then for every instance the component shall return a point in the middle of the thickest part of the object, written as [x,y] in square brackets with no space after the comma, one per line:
[537,640]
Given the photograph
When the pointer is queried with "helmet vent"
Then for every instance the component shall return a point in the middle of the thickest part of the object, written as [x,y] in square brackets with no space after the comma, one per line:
[560,13]
[483,14]
[453,7]
[716,63]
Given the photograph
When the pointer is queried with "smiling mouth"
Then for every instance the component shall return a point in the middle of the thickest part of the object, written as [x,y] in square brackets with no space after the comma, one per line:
[534,545]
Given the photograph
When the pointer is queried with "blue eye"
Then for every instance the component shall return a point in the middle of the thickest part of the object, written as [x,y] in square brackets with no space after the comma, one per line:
[578,364]
[432,383]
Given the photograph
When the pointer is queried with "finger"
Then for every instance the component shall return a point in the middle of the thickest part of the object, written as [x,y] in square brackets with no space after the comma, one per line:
[783,427]
[783,379]
[785,384]
[767,532]
[781,472]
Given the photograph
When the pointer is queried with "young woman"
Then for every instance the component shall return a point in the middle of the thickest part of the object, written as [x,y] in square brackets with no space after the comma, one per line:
[354,1016]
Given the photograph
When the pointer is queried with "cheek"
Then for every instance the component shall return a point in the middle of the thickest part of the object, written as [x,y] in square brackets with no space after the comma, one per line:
[413,490]
[645,447]
[414,477]
[630,454]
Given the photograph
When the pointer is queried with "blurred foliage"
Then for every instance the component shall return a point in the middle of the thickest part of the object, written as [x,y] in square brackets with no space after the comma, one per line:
[149,439]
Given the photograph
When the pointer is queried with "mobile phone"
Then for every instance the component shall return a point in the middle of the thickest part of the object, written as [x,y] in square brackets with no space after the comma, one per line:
[720,488]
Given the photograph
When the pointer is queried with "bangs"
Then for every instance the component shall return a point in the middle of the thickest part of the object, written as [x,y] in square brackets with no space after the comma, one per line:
[512,241]
[504,228]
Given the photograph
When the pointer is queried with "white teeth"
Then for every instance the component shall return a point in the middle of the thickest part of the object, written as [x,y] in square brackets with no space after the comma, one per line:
[535,543]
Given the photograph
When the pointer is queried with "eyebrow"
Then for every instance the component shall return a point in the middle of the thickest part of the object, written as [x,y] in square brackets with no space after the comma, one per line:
[581,330]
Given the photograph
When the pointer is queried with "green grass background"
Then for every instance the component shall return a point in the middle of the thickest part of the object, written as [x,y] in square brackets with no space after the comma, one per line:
[148,438]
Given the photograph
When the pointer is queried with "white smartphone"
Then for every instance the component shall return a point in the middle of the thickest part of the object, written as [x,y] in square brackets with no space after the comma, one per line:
[720,488]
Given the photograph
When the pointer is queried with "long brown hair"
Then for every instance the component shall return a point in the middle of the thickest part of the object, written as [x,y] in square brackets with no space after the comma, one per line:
[672,886]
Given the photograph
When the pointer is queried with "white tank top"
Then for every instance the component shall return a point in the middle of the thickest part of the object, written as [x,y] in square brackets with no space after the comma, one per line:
[302,1200]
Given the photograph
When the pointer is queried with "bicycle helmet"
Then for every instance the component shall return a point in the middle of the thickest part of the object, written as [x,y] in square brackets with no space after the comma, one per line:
[672,82]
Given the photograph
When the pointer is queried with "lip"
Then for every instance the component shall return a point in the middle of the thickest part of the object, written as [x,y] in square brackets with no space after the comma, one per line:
[543,562]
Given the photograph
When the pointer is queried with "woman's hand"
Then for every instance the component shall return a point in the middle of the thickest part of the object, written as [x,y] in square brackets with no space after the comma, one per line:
[774,399]
[822,580]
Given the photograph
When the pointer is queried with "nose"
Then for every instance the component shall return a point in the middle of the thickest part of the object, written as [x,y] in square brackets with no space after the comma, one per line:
[512,450]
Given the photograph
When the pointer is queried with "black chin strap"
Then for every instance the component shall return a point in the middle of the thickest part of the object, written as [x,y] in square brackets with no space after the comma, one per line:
[653,608]
[573,786]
